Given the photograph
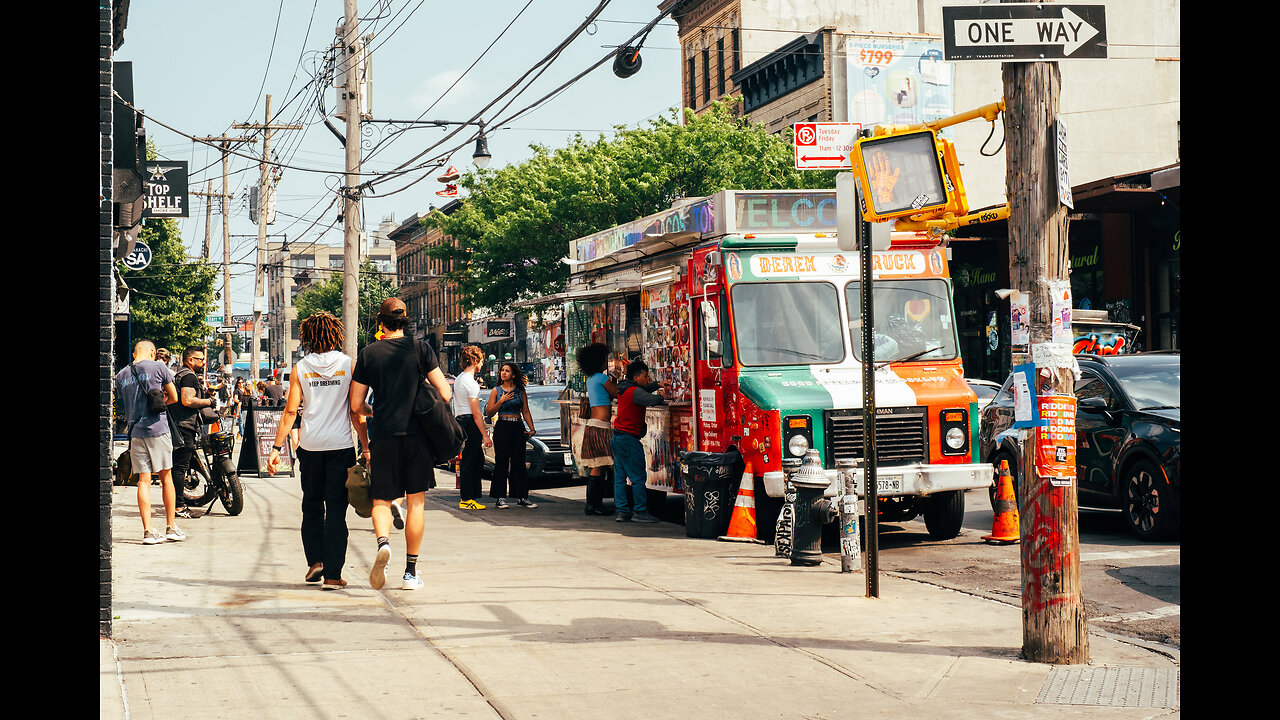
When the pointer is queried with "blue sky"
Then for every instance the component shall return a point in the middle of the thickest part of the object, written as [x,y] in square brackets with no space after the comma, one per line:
[202,67]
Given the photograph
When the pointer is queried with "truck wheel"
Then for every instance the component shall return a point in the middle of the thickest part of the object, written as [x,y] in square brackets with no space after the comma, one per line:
[943,514]
[1150,510]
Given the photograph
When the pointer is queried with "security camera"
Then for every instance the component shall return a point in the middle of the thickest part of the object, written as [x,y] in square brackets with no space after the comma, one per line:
[1006,293]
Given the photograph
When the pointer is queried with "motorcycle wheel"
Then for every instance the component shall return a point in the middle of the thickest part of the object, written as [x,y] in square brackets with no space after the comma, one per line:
[197,489]
[233,494]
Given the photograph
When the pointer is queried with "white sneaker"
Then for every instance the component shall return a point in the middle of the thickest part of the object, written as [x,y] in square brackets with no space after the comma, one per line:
[397,515]
[152,537]
[411,582]
[378,575]
[173,533]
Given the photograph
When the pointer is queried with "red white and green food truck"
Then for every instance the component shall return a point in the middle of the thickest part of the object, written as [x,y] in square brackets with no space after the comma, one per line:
[744,303]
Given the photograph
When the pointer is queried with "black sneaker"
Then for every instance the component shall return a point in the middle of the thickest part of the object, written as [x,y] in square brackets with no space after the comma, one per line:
[501,504]
[526,503]
[594,510]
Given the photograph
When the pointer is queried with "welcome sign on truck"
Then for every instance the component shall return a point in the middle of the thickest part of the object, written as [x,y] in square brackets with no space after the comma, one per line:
[753,314]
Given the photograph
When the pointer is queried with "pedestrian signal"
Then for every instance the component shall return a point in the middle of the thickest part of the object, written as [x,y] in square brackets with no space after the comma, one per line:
[901,175]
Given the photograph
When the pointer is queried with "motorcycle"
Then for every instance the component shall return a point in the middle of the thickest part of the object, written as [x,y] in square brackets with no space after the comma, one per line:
[213,476]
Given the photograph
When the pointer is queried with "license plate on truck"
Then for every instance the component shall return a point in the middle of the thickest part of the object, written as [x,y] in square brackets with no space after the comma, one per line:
[888,484]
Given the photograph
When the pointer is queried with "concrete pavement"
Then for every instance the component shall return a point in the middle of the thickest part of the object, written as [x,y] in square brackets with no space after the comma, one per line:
[547,613]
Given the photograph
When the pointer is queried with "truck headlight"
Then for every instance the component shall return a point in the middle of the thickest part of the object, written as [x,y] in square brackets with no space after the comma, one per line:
[955,438]
[798,445]
[954,426]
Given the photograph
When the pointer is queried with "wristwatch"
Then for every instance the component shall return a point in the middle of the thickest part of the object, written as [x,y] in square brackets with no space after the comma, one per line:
[277,448]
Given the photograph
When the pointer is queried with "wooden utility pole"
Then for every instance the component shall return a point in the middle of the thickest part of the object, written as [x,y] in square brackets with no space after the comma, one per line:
[351,200]
[1054,628]
[259,287]
[226,240]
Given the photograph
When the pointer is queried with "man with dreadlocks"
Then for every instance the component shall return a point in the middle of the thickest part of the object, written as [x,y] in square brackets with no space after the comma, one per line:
[320,382]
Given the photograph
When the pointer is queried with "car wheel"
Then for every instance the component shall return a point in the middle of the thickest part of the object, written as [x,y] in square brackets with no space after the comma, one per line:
[1013,470]
[1150,509]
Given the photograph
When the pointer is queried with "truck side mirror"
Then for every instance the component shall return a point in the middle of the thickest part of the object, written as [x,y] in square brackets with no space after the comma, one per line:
[711,328]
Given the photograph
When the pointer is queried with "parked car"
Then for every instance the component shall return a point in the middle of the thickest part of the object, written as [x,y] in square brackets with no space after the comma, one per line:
[545,453]
[985,390]
[1128,438]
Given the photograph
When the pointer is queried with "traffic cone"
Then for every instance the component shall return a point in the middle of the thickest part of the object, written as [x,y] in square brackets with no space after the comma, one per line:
[742,524]
[1004,529]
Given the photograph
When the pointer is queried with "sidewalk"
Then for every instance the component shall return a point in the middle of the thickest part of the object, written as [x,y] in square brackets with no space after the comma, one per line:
[548,613]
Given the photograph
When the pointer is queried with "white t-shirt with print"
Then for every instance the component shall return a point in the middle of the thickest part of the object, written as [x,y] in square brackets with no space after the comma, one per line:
[325,381]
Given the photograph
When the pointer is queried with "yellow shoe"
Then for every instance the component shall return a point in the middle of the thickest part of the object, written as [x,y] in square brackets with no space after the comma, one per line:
[470,505]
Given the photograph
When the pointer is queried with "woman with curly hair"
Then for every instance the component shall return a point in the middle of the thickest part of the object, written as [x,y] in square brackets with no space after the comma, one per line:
[325,445]
[509,435]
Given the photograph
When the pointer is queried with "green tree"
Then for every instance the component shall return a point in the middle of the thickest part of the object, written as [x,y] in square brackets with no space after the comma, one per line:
[170,297]
[326,296]
[517,222]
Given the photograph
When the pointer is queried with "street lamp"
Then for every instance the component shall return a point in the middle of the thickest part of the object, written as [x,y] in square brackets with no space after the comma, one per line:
[481,156]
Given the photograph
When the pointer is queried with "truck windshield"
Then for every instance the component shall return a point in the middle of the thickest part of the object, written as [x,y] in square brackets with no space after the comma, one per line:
[787,323]
[912,320]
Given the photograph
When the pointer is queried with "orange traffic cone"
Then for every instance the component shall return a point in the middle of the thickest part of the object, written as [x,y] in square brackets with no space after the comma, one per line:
[742,524]
[1004,529]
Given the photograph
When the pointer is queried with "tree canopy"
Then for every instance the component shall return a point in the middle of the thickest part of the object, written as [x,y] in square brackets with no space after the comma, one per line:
[326,296]
[170,297]
[517,221]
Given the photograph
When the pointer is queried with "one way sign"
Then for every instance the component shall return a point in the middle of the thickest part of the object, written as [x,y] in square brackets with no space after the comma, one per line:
[1023,32]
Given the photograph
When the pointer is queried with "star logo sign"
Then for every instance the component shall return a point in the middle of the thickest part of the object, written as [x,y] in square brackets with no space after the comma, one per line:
[158,172]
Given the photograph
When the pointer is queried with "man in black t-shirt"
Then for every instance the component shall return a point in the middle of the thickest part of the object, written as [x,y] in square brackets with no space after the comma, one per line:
[400,464]
[274,393]
[185,413]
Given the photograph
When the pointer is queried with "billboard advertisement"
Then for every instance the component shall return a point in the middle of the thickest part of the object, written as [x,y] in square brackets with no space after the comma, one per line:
[898,80]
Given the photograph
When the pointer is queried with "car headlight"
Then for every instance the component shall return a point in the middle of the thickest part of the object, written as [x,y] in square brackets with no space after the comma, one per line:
[955,438]
[798,445]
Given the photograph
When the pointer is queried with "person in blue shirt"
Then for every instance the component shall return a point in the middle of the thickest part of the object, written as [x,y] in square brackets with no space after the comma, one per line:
[150,445]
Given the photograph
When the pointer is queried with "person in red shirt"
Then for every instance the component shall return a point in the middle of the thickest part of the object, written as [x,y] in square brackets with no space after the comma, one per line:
[634,395]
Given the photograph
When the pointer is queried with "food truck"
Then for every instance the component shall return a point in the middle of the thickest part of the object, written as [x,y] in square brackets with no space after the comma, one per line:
[743,302]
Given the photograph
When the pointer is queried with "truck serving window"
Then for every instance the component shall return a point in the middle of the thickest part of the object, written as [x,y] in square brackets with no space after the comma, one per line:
[787,323]
[912,320]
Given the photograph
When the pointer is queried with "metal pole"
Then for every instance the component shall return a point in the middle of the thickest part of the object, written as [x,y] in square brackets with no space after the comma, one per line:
[259,289]
[869,409]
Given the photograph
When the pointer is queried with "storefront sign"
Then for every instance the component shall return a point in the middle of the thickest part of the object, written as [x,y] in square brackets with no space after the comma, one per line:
[166,183]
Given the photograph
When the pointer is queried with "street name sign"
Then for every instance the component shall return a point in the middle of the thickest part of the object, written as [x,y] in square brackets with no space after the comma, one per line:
[226,330]
[1023,32]
[825,145]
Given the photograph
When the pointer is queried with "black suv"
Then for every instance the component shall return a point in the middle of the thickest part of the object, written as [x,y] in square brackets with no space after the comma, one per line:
[1128,438]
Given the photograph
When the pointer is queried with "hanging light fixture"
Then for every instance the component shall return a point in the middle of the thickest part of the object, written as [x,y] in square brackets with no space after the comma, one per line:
[481,156]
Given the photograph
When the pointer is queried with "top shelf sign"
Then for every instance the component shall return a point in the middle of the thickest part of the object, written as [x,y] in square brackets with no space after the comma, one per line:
[1023,32]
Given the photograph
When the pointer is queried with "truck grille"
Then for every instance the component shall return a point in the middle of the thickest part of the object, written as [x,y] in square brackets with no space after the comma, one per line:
[902,435]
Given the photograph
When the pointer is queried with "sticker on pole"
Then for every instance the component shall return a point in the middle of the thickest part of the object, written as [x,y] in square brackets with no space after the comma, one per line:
[1055,442]
[825,146]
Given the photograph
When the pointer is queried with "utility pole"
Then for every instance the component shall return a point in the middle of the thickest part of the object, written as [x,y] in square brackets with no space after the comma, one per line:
[351,47]
[226,240]
[1054,628]
[259,288]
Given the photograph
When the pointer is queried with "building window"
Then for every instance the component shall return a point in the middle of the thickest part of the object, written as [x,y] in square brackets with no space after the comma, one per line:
[737,52]
[706,74]
[720,66]
[693,93]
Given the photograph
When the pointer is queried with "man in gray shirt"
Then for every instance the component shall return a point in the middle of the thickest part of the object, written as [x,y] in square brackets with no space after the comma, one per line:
[150,446]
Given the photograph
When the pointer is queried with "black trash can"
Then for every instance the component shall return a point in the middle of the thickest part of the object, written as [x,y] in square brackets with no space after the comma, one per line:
[709,483]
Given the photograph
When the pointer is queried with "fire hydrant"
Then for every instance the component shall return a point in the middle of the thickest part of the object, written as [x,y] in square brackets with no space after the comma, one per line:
[811,511]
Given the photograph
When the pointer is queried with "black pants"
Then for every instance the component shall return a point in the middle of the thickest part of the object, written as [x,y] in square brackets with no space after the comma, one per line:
[472,459]
[324,507]
[508,460]
[184,447]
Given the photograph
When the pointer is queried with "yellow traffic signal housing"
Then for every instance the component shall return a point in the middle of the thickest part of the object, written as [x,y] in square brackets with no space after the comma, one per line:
[902,174]
[959,204]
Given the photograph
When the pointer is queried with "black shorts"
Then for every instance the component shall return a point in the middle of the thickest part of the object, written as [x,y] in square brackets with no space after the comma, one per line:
[401,465]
